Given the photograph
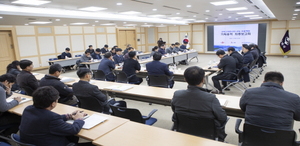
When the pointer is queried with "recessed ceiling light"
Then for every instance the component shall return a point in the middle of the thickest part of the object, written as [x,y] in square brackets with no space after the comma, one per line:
[200,21]
[26,24]
[108,24]
[237,8]
[206,10]
[220,14]
[130,25]
[146,25]
[189,19]
[177,13]
[206,18]
[157,16]
[297,10]
[1,17]
[130,13]
[255,17]
[119,4]
[243,13]
[40,22]
[229,16]
[154,9]
[124,22]
[251,15]
[57,19]
[31,2]
[220,3]
[194,16]
[295,14]
[96,21]
[175,18]
[216,19]
[188,6]
[236,18]
[79,23]
[298,3]
[92,8]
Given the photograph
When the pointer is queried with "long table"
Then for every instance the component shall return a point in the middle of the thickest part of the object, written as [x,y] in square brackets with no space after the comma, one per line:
[65,62]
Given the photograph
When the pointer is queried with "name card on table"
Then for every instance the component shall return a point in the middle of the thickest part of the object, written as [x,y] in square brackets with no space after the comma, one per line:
[91,121]
[119,87]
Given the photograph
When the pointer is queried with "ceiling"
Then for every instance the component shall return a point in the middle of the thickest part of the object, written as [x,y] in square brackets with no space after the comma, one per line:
[67,11]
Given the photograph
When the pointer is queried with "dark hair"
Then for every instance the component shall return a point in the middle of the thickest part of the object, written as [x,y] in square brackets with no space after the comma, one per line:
[162,45]
[157,56]
[107,54]
[128,45]
[106,46]
[14,65]
[115,47]
[44,96]
[252,45]
[98,50]
[90,45]
[194,75]
[82,72]
[87,51]
[247,47]
[54,68]
[130,48]
[118,50]
[172,44]
[131,54]
[24,63]
[8,77]
[220,52]
[274,76]
[67,49]
[230,49]
[154,48]
[112,49]
[177,43]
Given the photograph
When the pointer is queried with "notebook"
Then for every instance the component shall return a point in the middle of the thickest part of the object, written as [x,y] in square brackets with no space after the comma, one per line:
[23,100]
[223,102]
[66,80]
[91,121]
[119,87]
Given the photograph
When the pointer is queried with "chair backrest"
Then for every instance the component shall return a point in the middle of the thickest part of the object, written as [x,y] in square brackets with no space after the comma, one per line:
[128,113]
[90,103]
[259,136]
[121,77]
[16,138]
[239,74]
[59,57]
[203,127]
[98,75]
[158,81]
[29,91]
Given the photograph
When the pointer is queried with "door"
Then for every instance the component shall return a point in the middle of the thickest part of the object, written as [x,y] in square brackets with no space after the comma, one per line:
[130,38]
[7,54]
[126,37]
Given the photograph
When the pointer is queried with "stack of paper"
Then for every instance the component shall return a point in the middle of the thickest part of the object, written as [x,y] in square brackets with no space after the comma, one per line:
[22,101]
[91,121]
[223,102]
[66,79]
[119,87]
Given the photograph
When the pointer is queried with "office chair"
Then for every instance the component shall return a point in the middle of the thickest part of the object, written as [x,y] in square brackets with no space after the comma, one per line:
[238,80]
[158,81]
[16,138]
[121,77]
[90,103]
[3,128]
[99,75]
[203,127]
[251,67]
[4,144]
[133,114]
[29,91]
[260,136]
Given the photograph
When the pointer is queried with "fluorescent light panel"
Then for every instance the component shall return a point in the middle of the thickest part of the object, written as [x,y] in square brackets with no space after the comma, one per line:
[146,25]
[31,2]
[200,21]
[108,24]
[298,3]
[255,17]
[157,16]
[130,13]
[40,22]
[92,9]
[221,3]
[79,23]
[251,15]
[243,13]
[130,25]
[236,9]
[175,18]
[297,10]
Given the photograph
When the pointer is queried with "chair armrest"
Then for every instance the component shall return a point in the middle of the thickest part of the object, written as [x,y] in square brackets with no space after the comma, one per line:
[171,78]
[237,125]
[150,114]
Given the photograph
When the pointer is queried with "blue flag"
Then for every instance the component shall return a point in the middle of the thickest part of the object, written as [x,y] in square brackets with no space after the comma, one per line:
[285,43]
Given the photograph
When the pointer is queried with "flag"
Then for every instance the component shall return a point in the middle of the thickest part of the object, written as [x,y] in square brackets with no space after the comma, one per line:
[186,41]
[285,43]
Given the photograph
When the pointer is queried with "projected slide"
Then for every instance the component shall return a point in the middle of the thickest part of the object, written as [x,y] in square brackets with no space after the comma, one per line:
[234,36]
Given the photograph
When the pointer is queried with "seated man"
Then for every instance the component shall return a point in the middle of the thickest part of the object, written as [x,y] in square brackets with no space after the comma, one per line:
[65,93]
[197,102]
[118,58]
[161,50]
[10,120]
[126,56]
[158,68]
[183,46]
[66,54]
[247,60]
[170,50]
[254,51]
[270,105]
[42,127]
[90,49]
[228,65]
[131,67]
[96,54]
[113,50]
[104,49]
[177,48]
[25,78]
[237,56]
[154,49]
[107,65]
[86,57]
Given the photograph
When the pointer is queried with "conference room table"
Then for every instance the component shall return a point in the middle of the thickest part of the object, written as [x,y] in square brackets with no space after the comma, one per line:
[65,62]
[90,134]
[157,95]
[93,65]
[143,55]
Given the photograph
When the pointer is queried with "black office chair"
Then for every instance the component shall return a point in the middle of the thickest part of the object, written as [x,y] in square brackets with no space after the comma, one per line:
[260,136]
[90,103]
[158,81]
[3,128]
[237,80]
[121,77]
[203,127]
[4,144]
[29,91]
[99,75]
[16,138]
[133,114]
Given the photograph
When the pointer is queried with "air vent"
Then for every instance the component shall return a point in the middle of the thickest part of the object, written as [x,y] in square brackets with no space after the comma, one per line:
[249,1]
[256,6]
[207,15]
[193,12]
[32,19]
[142,2]
[262,12]
[171,7]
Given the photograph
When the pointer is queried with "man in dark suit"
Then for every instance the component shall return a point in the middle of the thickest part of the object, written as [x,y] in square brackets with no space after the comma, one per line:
[25,78]
[254,51]
[107,65]
[65,93]
[104,49]
[237,56]
[84,89]
[96,54]
[158,68]
[126,56]
[66,54]
[197,102]
[247,60]
[131,67]
[270,105]
[228,65]
[118,58]
[42,127]
[161,49]
[90,49]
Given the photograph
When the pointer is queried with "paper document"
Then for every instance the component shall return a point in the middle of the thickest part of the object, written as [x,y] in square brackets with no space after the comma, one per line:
[92,82]
[66,79]
[91,121]
[23,100]
[119,87]
[35,74]
[223,102]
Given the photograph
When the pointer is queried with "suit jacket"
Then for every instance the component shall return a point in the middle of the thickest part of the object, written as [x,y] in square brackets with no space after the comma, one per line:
[90,50]
[183,47]
[152,53]
[84,58]
[26,78]
[118,59]
[170,50]
[64,54]
[42,127]
[96,56]
[158,68]
[270,106]
[15,72]
[161,51]
[247,58]
[4,106]
[255,53]
[228,64]
[196,102]
[65,92]
[129,67]
[238,59]
[107,66]
[103,50]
